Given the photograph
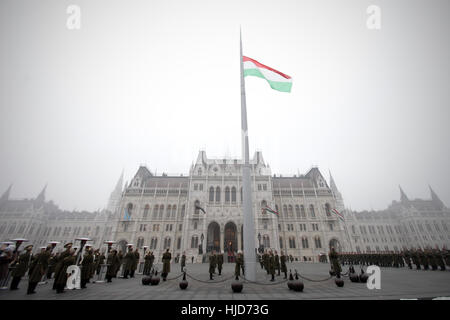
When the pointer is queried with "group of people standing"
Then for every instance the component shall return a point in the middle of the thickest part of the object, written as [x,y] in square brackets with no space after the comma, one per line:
[428,259]
[272,262]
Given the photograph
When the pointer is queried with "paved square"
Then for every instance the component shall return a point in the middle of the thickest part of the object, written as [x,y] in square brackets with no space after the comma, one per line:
[396,283]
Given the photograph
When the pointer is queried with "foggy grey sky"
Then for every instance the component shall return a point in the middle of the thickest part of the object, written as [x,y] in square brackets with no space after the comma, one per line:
[153,82]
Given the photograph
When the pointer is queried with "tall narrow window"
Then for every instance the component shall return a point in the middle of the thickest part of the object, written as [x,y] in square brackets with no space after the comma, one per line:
[161,211]
[297,211]
[311,211]
[146,208]
[183,209]
[233,195]
[155,211]
[211,194]
[227,195]
[327,209]
[217,194]
[168,211]
[302,211]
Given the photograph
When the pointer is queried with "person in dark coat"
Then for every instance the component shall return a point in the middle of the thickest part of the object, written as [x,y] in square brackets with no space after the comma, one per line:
[59,261]
[219,262]
[167,256]
[128,262]
[277,262]
[135,262]
[121,261]
[86,267]
[21,267]
[6,257]
[212,264]
[39,269]
[283,260]
[69,260]
[147,264]
[183,261]
[112,262]
[271,264]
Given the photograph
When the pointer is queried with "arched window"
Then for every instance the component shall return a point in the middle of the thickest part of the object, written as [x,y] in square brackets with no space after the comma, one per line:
[227,195]
[199,171]
[174,211]
[129,211]
[297,211]
[292,242]
[291,213]
[211,194]
[140,242]
[281,243]
[305,244]
[179,243]
[167,243]
[153,243]
[217,194]
[183,209]
[146,208]
[317,242]
[242,197]
[155,211]
[311,211]
[302,211]
[233,195]
[161,211]
[168,211]
[327,209]
[266,241]
[194,242]
[285,212]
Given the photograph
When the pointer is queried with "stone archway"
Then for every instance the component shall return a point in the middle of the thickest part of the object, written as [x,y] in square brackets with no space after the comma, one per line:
[334,243]
[230,240]
[213,237]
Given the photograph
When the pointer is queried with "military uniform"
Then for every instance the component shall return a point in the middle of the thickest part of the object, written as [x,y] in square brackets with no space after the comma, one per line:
[40,268]
[135,263]
[219,262]
[183,262]
[86,268]
[212,265]
[20,269]
[336,267]
[283,259]
[167,256]
[128,263]
[117,268]
[277,263]
[148,262]
[59,264]
[62,276]
[112,261]
[271,265]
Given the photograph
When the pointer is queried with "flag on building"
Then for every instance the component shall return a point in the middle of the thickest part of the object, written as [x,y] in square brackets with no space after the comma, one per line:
[126,216]
[340,215]
[276,79]
[200,208]
[267,208]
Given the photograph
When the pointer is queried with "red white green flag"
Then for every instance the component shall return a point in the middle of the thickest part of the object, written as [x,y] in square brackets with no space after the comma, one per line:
[276,79]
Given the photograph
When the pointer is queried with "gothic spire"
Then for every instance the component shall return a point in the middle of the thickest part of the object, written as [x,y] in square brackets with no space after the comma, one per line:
[435,198]
[41,196]
[403,197]
[5,195]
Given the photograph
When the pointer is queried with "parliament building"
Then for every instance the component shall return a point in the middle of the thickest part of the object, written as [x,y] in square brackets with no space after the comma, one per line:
[203,211]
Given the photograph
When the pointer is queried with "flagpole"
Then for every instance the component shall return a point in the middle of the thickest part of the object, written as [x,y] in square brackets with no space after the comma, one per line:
[249,222]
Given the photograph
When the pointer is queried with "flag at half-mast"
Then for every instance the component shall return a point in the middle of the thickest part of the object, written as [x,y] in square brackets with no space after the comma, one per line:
[276,79]
[267,208]
[340,215]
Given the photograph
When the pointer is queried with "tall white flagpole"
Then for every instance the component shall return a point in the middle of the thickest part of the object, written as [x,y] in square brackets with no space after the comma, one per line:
[249,222]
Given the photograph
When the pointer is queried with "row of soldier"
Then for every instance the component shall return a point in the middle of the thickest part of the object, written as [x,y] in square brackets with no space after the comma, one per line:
[426,259]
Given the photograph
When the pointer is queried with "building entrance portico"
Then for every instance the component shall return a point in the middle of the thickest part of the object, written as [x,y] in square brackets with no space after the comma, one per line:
[230,241]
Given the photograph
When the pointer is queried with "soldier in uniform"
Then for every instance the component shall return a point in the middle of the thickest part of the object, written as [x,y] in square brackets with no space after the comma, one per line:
[183,261]
[407,258]
[128,262]
[220,262]
[266,261]
[283,259]
[101,261]
[212,264]
[40,267]
[21,267]
[431,259]
[147,265]
[271,265]
[238,263]
[135,262]
[423,259]
[61,280]
[86,267]
[59,261]
[277,262]
[120,257]
[112,262]
[439,260]
[167,256]
[335,266]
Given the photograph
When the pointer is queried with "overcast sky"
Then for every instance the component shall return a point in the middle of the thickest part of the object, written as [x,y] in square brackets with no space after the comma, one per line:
[153,82]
